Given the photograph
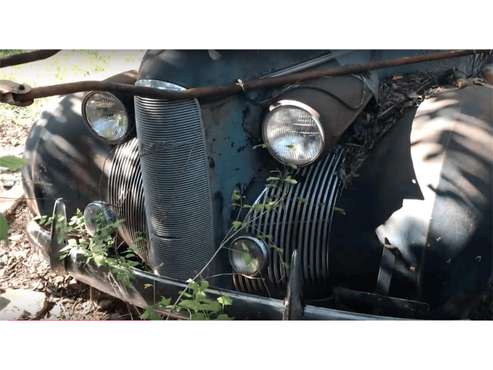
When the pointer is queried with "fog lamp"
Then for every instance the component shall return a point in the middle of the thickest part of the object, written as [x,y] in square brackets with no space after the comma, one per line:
[98,215]
[248,255]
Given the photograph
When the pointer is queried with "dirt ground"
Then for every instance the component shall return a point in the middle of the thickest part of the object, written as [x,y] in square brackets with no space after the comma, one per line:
[20,266]
[66,299]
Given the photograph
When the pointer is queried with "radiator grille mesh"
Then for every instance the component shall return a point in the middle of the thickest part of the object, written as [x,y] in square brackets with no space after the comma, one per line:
[173,159]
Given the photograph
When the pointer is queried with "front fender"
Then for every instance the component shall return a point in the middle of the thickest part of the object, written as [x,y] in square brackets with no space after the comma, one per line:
[426,190]
[64,158]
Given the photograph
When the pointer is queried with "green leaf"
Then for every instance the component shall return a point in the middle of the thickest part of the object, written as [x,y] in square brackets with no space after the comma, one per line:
[150,314]
[275,248]
[98,260]
[340,210]
[293,166]
[4,227]
[263,146]
[236,196]
[190,304]
[236,225]
[199,316]
[224,300]
[200,295]
[210,306]
[223,316]
[12,163]
[164,302]
[290,180]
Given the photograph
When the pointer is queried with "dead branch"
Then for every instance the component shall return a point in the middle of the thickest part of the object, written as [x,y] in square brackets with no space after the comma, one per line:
[31,56]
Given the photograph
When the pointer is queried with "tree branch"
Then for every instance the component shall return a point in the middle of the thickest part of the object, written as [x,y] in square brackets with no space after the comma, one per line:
[31,56]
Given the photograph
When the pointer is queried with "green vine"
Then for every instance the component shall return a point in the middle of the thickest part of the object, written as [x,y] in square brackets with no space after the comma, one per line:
[99,248]
[12,164]
[194,304]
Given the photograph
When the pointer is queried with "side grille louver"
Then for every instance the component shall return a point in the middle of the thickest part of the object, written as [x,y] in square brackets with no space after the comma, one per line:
[126,196]
[301,221]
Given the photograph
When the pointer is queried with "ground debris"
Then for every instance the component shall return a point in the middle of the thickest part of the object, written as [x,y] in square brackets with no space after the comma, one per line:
[18,304]
[21,268]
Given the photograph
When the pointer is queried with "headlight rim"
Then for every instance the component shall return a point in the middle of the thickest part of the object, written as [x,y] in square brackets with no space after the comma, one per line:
[88,124]
[315,115]
[261,248]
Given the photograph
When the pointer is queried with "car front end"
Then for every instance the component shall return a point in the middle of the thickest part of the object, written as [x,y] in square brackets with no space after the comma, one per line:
[318,199]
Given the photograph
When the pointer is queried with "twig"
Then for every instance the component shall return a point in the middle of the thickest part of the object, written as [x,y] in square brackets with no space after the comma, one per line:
[31,56]
[221,247]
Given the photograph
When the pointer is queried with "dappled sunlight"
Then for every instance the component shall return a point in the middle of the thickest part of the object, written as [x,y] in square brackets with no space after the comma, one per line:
[452,155]
[73,65]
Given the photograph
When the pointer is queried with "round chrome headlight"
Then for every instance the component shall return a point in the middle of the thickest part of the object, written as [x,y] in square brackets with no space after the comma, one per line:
[248,255]
[106,115]
[293,133]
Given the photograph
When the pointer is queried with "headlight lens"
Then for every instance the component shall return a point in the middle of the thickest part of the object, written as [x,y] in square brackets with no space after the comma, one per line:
[248,255]
[106,115]
[293,133]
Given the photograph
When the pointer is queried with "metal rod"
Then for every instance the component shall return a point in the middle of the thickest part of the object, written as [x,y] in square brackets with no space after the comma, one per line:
[31,56]
[226,90]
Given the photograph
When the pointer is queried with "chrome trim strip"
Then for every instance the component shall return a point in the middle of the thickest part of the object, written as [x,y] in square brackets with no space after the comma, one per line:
[162,85]
[307,64]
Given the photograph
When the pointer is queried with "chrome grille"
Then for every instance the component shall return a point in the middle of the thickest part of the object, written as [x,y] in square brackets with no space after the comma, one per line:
[175,174]
[126,196]
[301,221]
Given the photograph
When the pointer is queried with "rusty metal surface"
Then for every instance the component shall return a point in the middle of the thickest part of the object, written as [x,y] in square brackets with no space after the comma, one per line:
[9,90]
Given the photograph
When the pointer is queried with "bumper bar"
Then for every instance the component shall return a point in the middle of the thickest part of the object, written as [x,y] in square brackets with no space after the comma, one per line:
[146,289]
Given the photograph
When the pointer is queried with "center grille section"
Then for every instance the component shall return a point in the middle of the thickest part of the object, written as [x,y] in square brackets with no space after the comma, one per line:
[301,221]
[174,165]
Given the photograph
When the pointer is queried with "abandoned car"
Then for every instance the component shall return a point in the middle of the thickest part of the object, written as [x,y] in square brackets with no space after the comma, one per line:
[361,195]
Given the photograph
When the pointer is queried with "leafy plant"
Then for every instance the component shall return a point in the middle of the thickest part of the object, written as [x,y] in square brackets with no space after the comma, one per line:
[98,248]
[12,163]
[193,302]
[4,227]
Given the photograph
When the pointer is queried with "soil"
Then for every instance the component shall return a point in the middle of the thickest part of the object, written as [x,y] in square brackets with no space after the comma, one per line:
[21,267]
